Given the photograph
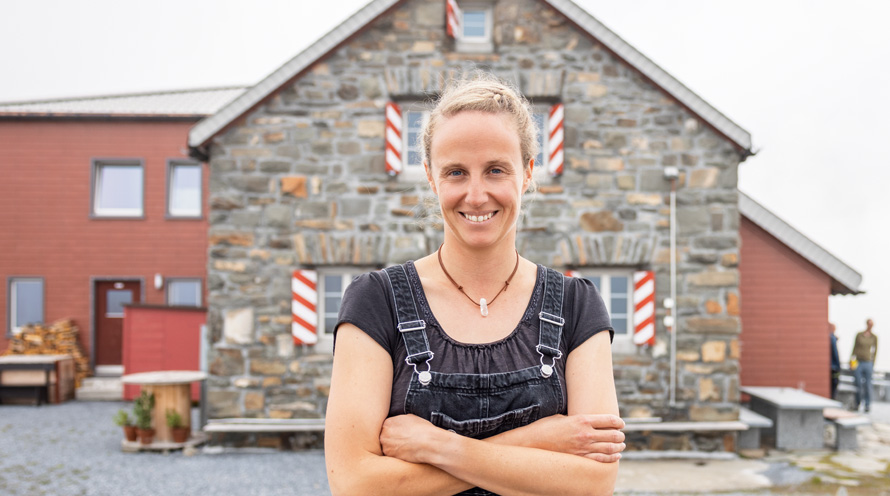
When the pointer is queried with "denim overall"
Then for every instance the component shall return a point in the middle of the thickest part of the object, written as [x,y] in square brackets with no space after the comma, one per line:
[481,405]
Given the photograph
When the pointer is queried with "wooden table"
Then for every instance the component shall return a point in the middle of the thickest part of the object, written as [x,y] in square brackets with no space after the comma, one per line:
[172,390]
[48,378]
[796,414]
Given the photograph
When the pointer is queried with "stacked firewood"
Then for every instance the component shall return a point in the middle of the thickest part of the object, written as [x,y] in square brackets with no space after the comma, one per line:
[60,338]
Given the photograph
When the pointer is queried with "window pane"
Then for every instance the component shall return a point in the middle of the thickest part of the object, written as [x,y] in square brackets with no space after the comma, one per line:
[184,293]
[333,284]
[596,282]
[115,301]
[474,23]
[28,306]
[619,284]
[541,124]
[620,325]
[119,190]
[185,190]
[413,124]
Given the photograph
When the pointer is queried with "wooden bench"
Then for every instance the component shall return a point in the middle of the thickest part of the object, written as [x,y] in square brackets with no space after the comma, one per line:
[845,424]
[694,426]
[750,439]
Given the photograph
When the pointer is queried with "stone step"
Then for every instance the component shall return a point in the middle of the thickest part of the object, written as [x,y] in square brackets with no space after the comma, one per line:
[100,389]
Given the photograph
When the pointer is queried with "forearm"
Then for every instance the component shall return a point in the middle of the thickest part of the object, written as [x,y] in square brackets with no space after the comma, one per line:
[388,476]
[517,470]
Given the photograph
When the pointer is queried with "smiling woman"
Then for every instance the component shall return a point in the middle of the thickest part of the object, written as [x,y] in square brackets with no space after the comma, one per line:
[474,369]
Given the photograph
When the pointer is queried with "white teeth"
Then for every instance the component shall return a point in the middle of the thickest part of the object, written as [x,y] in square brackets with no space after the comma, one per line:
[480,218]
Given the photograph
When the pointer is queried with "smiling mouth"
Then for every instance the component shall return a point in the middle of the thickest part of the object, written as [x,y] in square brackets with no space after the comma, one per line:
[479,218]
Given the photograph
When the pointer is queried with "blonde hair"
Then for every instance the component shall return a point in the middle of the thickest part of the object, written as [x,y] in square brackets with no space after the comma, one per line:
[485,93]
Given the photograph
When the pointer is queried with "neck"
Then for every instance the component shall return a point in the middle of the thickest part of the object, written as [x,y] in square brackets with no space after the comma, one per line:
[479,269]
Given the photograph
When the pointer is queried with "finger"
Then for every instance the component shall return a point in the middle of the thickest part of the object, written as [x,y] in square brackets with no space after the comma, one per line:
[604,421]
[607,448]
[603,458]
[606,436]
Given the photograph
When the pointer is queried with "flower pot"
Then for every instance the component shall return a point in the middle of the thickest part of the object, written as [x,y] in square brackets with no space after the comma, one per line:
[146,436]
[130,432]
[180,434]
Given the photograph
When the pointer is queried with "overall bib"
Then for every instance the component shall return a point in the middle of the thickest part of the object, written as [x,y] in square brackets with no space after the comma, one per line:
[481,405]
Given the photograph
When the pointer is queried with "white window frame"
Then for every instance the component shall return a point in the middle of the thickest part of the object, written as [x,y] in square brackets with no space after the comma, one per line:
[621,343]
[174,280]
[412,172]
[97,211]
[171,166]
[346,274]
[477,44]
[12,302]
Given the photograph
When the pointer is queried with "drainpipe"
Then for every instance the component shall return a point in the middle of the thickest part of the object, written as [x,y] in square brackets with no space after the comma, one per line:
[672,173]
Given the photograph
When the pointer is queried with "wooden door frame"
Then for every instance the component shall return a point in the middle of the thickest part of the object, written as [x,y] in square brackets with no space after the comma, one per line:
[93,281]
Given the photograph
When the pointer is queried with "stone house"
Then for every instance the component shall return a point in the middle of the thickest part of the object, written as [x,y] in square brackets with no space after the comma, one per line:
[315,178]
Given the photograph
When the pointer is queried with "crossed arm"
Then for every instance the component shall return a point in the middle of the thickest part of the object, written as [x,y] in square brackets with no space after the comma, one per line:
[366,453]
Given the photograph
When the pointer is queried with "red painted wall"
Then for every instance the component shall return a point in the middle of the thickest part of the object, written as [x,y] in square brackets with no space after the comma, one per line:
[45,219]
[784,310]
[161,338]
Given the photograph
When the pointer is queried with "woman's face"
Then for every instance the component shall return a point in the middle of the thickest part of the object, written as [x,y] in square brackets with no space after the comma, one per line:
[476,171]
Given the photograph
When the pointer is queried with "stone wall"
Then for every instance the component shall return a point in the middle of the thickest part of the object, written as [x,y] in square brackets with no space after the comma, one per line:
[300,182]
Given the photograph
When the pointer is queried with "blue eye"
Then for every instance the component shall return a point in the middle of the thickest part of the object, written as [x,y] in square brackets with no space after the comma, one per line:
[455,173]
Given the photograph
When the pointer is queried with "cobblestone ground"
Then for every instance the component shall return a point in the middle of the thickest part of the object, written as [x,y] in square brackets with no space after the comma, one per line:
[74,449]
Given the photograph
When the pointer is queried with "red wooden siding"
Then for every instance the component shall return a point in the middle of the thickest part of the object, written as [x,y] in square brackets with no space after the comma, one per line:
[784,310]
[45,213]
[161,338]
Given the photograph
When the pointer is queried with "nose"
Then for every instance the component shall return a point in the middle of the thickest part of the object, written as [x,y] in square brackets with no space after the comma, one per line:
[477,194]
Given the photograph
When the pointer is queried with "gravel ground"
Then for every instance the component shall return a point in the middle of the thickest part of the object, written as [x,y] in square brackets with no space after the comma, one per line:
[75,449]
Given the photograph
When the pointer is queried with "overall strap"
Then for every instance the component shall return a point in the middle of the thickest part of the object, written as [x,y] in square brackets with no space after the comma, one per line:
[410,325]
[551,320]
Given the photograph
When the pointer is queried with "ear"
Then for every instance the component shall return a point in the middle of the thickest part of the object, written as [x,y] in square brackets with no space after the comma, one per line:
[429,178]
[527,175]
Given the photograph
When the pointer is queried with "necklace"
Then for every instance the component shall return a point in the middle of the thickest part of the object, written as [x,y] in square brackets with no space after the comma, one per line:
[483,305]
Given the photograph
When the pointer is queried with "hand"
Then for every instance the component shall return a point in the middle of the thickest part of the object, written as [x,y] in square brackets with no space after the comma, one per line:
[597,437]
[404,437]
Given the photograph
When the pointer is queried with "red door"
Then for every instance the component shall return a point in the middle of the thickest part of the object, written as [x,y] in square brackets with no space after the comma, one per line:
[111,296]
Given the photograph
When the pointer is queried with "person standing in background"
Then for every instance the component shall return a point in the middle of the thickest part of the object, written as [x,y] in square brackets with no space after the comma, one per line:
[864,350]
[835,360]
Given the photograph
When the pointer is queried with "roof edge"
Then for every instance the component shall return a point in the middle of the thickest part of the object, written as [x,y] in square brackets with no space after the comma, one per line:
[204,130]
[207,128]
[840,272]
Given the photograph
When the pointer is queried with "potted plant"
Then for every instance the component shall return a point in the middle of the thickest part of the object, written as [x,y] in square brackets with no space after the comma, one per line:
[123,419]
[142,407]
[177,428]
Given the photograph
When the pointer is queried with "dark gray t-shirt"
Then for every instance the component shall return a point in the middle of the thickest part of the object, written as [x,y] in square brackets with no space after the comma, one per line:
[368,304]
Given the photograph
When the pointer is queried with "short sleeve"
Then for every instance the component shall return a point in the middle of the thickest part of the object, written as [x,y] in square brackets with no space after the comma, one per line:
[587,312]
[367,304]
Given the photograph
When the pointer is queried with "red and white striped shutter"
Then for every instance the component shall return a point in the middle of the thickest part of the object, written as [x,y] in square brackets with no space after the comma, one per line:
[453,19]
[573,273]
[555,139]
[393,139]
[644,308]
[304,286]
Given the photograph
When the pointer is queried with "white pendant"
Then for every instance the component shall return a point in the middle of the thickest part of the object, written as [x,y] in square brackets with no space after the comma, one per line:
[483,307]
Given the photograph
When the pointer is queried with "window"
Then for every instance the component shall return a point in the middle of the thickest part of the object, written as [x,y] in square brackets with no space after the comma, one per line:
[25,303]
[477,25]
[184,292]
[183,189]
[540,117]
[117,188]
[115,299]
[617,293]
[413,115]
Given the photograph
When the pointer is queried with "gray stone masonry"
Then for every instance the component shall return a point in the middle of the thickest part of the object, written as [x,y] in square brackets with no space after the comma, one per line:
[300,182]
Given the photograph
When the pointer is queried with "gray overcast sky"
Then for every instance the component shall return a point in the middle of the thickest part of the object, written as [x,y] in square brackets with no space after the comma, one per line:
[807,79]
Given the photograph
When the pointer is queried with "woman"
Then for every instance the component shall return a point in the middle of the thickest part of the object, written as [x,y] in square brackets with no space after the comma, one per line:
[472,367]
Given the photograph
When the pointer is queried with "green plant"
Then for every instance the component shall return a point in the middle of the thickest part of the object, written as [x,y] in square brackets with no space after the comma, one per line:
[122,419]
[174,419]
[142,407]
